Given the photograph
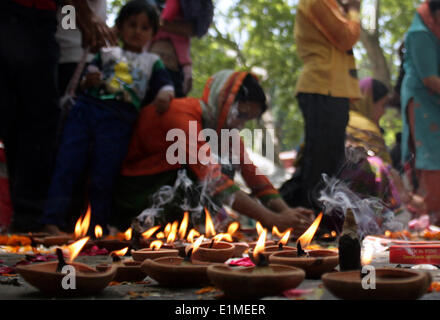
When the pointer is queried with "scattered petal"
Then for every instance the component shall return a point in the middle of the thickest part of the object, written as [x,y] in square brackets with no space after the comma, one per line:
[242,262]
[295,293]
[206,290]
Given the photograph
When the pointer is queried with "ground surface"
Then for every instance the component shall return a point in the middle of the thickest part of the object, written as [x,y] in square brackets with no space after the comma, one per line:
[15,288]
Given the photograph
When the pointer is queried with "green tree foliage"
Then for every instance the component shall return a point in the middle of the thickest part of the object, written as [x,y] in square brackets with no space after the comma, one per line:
[257,35]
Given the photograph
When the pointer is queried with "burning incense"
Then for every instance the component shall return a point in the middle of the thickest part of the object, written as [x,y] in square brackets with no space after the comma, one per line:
[349,245]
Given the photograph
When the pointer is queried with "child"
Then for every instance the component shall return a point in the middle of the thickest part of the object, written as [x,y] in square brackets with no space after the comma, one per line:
[117,84]
[181,20]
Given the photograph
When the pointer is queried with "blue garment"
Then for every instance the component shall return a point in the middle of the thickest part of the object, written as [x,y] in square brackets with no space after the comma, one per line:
[106,127]
[422,60]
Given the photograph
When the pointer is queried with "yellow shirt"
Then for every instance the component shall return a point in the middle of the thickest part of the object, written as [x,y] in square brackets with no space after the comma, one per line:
[325,36]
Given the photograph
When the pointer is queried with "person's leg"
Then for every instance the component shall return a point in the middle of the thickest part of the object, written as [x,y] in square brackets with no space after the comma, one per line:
[29,45]
[112,131]
[429,180]
[325,120]
[78,200]
[70,165]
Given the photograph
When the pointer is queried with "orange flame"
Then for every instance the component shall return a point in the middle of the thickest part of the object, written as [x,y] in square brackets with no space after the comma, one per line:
[121,252]
[76,247]
[160,235]
[82,225]
[193,233]
[307,236]
[233,227]
[128,234]
[388,233]
[147,234]
[197,243]
[259,227]
[285,237]
[367,255]
[167,230]
[98,231]
[260,244]
[172,236]
[277,232]
[183,226]
[334,234]
[209,226]
[156,245]
[222,236]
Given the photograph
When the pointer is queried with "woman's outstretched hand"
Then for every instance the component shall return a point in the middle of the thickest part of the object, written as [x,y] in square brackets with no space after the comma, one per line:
[299,219]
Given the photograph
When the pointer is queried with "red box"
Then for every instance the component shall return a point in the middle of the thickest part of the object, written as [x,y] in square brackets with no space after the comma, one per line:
[415,254]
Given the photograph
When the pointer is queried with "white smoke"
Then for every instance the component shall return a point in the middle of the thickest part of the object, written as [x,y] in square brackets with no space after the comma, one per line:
[372,216]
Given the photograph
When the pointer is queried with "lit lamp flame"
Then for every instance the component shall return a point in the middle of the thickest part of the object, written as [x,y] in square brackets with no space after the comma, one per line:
[367,255]
[183,226]
[82,225]
[98,231]
[147,234]
[193,233]
[260,245]
[334,234]
[307,236]
[233,227]
[172,236]
[259,228]
[167,230]
[285,237]
[128,234]
[221,236]
[120,253]
[209,226]
[277,232]
[76,247]
[156,245]
[197,243]
[160,235]
[388,233]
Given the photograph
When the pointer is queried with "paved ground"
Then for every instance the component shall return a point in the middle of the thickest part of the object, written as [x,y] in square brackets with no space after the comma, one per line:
[15,288]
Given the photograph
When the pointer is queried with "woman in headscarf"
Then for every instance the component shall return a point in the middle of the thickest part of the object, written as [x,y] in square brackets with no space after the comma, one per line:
[153,178]
[421,103]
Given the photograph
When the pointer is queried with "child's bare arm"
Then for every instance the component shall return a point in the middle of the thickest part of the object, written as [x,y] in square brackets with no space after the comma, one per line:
[163,99]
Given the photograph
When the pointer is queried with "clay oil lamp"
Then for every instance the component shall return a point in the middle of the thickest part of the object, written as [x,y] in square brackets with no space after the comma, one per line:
[280,246]
[155,251]
[260,229]
[240,247]
[114,244]
[214,250]
[127,269]
[351,282]
[388,283]
[178,271]
[255,282]
[50,277]
[313,262]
